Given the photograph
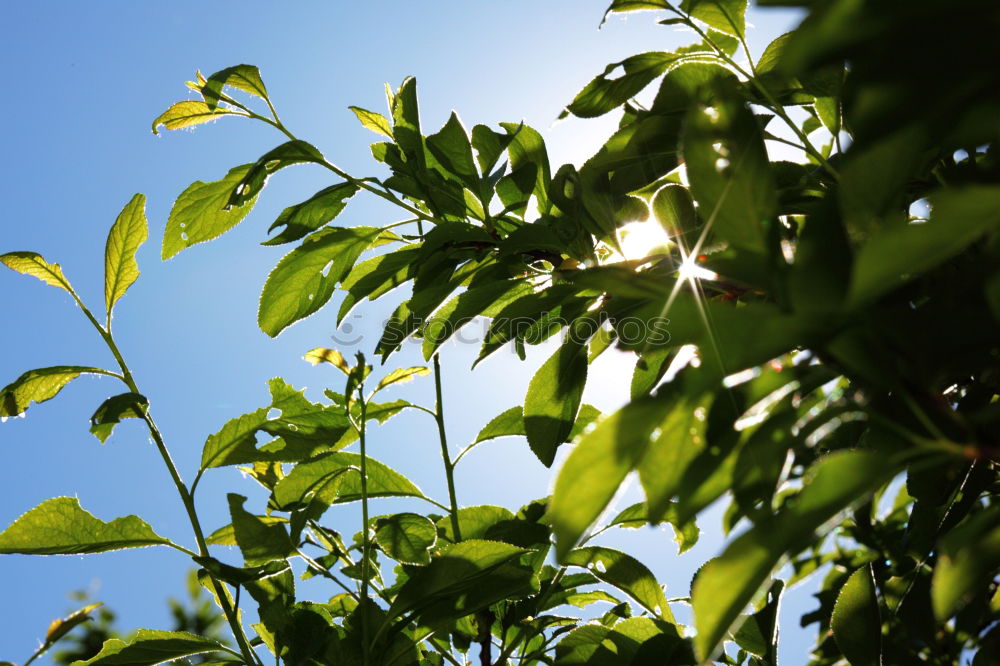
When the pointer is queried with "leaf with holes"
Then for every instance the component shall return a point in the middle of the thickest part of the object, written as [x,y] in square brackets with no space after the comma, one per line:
[200,214]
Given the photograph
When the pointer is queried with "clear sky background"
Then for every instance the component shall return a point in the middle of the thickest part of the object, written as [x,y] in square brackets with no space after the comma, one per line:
[83,82]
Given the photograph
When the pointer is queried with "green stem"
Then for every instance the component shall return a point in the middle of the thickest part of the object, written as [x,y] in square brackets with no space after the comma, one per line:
[186,498]
[449,465]
[365,545]
[362,184]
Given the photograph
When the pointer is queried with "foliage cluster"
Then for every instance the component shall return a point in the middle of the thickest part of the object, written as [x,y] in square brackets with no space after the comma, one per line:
[843,394]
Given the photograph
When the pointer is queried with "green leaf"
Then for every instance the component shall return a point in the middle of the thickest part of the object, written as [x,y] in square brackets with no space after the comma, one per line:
[624,572]
[856,623]
[188,114]
[620,6]
[151,647]
[475,522]
[969,556]
[528,147]
[245,78]
[596,468]
[128,233]
[63,626]
[60,527]
[287,154]
[376,276]
[897,254]
[310,215]
[635,641]
[604,93]
[506,424]
[199,214]
[674,210]
[406,537]
[456,569]
[723,15]
[306,277]
[331,356]
[553,399]
[489,146]
[464,307]
[685,534]
[30,263]
[38,386]
[401,376]
[729,171]
[758,634]
[303,428]
[260,542]
[113,410]
[373,121]
[309,480]
[452,148]
[727,583]
[226,535]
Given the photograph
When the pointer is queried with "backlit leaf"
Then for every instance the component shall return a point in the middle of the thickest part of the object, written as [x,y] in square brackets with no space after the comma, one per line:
[259,541]
[199,214]
[128,233]
[553,399]
[727,583]
[624,572]
[306,277]
[331,356]
[113,410]
[596,468]
[60,527]
[310,215]
[309,479]
[151,647]
[607,92]
[505,424]
[245,78]
[30,263]
[406,537]
[287,154]
[373,121]
[402,375]
[454,570]
[188,114]
[969,558]
[38,386]
[899,253]
[723,15]
[855,622]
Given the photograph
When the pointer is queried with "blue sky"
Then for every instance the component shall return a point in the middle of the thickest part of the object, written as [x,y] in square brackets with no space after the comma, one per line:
[84,82]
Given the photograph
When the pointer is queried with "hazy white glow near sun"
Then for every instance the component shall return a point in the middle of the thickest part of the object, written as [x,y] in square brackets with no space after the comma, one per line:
[641,239]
